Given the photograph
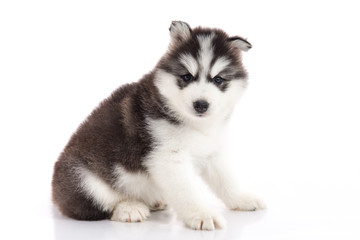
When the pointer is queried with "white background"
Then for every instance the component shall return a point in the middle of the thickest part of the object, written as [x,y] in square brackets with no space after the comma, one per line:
[295,136]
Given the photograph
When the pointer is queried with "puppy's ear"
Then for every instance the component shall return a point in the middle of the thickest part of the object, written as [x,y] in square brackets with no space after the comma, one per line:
[240,43]
[179,31]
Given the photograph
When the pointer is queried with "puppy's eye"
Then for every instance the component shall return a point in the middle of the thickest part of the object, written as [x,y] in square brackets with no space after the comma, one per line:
[187,77]
[218,80]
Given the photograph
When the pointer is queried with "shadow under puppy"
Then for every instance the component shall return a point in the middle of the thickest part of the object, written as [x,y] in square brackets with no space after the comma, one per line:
[144,146]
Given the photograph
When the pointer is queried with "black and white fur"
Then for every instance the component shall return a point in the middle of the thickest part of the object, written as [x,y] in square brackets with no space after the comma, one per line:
[144,146]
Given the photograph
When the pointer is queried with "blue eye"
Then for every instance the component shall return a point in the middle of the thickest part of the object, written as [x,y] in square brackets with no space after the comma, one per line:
[187,77]
[218,80]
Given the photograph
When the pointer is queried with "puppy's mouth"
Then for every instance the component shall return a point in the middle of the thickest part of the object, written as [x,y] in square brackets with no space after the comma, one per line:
[201,115]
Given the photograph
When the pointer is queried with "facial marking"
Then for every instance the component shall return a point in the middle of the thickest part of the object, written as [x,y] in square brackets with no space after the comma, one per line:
[219,65]
[206,53]
[189,63]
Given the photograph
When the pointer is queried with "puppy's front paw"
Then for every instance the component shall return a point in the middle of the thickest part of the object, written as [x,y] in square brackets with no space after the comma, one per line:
[130,212]
[247,202]
[205,221]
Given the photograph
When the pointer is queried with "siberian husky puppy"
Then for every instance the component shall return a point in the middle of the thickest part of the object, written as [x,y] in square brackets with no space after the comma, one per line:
[144,146]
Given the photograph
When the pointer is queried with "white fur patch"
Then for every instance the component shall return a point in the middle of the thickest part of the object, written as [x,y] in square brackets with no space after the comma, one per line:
[219,65]
[190,63]
[101,193]
[198,142]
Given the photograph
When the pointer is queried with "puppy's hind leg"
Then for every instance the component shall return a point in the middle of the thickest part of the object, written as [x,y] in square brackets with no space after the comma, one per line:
[109,200]
[74,195]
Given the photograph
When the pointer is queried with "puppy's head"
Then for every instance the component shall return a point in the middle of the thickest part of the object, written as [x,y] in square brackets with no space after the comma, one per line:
[201,76]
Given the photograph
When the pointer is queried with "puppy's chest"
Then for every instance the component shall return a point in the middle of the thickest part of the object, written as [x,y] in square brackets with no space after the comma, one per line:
[198,143]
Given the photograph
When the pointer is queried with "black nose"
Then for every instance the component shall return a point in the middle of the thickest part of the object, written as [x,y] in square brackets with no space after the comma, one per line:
[201,106]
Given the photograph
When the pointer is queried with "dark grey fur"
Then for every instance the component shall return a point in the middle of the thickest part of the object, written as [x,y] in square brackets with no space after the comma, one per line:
[115,133]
